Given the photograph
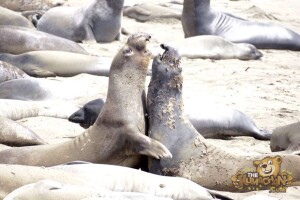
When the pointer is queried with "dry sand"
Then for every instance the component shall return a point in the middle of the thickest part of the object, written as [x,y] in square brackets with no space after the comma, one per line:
[267,90]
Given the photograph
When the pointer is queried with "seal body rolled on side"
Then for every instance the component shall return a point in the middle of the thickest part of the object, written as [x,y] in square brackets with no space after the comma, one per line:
[118,135]
[286,138]
[194,157]
[198,18]
[100,20]
[9,17]
[58,63]
[17,40]
[10,72]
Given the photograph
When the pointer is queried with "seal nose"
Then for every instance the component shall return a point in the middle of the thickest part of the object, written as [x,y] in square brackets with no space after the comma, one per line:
[165,47]
[76,117]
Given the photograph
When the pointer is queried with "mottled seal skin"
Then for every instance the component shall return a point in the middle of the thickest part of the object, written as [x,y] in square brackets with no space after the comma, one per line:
[21,5]
[210,121]
[17,40]
[10,72]
[8,17]
[198,18]
[100,21]
[15,134]
[103,177]
[148,11]
[193,157]
[286,138]
[58,63]
[118,135]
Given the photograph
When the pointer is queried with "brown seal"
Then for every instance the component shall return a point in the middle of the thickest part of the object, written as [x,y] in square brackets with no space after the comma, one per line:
[194,157]
[118,135]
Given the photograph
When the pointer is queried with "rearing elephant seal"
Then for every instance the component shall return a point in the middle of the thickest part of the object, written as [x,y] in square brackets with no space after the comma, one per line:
[193,157]
[118,135]
[198,18]
[100,21]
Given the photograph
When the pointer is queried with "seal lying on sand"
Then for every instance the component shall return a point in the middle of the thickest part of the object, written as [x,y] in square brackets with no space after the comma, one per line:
[17,40]
[193,156]
[118,136]
[58,63]
[198,18]
[8,17]
[209,121]
[10,72]
[100,21]
[286,138]
[103,177]
[18,5]
[14,134]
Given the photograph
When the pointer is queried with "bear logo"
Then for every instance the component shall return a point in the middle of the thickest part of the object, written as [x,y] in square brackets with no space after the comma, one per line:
[269,166]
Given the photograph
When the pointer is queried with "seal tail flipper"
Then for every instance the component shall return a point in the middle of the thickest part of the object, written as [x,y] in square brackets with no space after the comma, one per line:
[40,73]
[263,135]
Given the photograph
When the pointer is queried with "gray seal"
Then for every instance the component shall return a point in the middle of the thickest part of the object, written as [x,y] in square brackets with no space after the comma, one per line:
[198,18]
[194,157]
[17,40]
[58,63]
[286,138]
[10,72]
[8,17]
[118,135]
[100,20]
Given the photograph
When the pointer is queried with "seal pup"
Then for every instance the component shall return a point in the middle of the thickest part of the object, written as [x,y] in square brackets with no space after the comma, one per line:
[17,40]
[103,177]
[17,5]
[198,18]
[193,157]
[10,72]
[118,135]
[9,17]
[58,63]
[286,138]
[210,121]
[15,134]
[100,21]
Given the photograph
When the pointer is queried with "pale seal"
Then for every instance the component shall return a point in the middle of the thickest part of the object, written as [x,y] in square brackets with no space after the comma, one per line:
[10,72]
[103,177]
[58,63]
[100,20]
[17,40]
[15,134]
[209,120]
[198,18]
[194,157]
[286,138]
[118,135]
[20,5]
[8,17]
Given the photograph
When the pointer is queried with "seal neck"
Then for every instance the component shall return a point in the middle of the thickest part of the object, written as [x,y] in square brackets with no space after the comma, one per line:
[114,6]
[199,6]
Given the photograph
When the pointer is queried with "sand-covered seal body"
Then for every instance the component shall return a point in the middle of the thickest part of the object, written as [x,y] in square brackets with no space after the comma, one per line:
[17,40]
[100,21]
[58,63]
[21,5]
[118,135]
[10,72]
[286,138]
[198,18]
[8,17]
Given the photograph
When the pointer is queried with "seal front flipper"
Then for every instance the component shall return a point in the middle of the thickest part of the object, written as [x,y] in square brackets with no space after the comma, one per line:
[41,73]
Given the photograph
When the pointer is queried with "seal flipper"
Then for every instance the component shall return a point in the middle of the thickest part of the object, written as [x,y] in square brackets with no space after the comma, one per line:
[263,135]
[41,73]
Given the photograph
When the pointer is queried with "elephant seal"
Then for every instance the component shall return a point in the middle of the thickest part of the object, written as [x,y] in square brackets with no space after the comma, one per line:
[8,17]
[100,21]
[194,157]
[118,135]
[58,63]
[15,134]
[20,5]
[10,72]
[17,40]
[18,109]
[198,18]
[103,177]
[286,138]
[210,121]
[147,12]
